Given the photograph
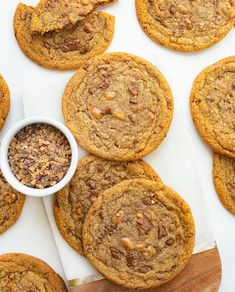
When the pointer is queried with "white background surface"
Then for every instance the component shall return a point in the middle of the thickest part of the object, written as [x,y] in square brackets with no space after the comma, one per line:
[180,69]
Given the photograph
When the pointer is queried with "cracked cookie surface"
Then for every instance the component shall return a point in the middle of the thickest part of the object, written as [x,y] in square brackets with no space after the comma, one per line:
[21,272]
[51,15]
[118,106]
[4,101]
[186,25]
[212,105]
[67,48]
[224,180]
[93,176]
[139,234]
[11,204]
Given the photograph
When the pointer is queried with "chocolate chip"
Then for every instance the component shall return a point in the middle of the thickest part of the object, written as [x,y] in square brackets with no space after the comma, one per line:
[233,85]
[161,232]
[170,241]
[116,254]
[144,224]
[145,269]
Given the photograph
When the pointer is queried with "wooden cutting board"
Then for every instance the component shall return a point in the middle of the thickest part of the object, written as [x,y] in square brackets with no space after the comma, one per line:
[203,273]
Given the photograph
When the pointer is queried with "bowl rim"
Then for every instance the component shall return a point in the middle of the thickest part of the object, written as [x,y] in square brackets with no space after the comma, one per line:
[4,162]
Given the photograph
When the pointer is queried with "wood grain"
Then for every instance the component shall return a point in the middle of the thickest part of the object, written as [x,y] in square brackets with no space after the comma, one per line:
[203,273]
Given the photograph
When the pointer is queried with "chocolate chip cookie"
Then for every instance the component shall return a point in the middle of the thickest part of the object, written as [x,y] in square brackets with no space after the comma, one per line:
[213,106]
[118,106]
[4,101]
[68,48]
[11,205]
[93,176]
[139,234]
[186,25]
[21,272]
[224,180]
[51,15]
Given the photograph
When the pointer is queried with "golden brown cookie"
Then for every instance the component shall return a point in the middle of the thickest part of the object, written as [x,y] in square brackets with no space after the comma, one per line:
[67,48]
[186,25]
[118,106]
[212,105]
[11,205]
[21,273]
[51,15]
[4,101]
[224,180]
[139,234]
[93,176]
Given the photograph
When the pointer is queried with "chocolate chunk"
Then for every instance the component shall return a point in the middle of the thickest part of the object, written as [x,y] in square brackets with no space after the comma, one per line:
[130,259]
[116,254]
[144,224]
[70,45]
[133,89]
[132,117]
[88,27]
[145,269]
[110,228]
[149,201]
[170,241]
[173,9]
[101,215]
[161,232]
[133,100]
[91,183]
[83,49]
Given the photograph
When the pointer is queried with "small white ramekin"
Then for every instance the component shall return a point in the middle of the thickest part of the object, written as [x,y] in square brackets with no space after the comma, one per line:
[5,167]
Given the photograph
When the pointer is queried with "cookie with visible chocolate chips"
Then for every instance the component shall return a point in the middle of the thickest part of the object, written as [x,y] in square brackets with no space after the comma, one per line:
[212,105]
[11,205]
[4,101]
[186,25]
[139,234]
[51,15]
[67,48]
[93,176]
[21,272]
[224,180]
[118,106]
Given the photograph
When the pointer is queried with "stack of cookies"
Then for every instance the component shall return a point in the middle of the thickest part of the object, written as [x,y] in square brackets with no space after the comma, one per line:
[116,210]
[62,34]
[213,111]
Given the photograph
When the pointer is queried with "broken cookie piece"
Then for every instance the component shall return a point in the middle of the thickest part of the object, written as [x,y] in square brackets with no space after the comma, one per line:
[50,15]
[68,48]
